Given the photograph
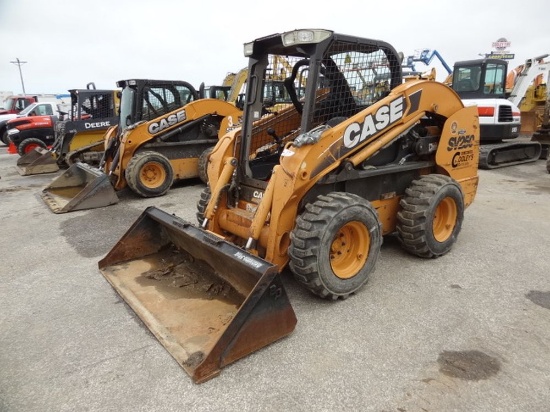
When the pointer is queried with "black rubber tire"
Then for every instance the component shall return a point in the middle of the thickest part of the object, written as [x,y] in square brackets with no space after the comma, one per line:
[4,137]
[159,164]
[203,165]
[312,244]
[202,203]
[25,145]
[548,164]
[419,216]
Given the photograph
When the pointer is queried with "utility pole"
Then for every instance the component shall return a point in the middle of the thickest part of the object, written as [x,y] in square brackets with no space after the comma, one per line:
[19,63]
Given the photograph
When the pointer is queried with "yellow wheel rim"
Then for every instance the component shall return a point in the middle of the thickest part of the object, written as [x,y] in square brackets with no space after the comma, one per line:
[152,175]
[349,249]
[444,219]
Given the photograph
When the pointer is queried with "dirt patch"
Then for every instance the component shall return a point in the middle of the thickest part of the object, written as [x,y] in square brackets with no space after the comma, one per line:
[175,268]
[468,365]
[96,232]
[539,189]
[539,298]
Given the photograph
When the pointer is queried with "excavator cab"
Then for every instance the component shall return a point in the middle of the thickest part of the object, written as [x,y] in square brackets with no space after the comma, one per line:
[480,78]
[313,186]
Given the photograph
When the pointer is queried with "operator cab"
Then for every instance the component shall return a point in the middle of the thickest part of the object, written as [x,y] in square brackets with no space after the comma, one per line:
[327,78]
[146,99]
[480,79]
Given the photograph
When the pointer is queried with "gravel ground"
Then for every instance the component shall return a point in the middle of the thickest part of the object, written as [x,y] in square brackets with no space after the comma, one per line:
[469,331]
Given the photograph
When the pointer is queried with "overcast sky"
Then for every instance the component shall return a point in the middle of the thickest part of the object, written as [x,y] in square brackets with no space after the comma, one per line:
[69,43]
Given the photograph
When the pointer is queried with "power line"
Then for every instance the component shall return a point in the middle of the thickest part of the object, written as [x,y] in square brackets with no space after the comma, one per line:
[19,63]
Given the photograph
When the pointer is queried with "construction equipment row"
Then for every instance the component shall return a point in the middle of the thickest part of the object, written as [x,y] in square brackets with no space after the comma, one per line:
[327,150]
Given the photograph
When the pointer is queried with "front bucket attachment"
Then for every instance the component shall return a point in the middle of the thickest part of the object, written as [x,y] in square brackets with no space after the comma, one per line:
[206,300]
[36,162]
[79,187]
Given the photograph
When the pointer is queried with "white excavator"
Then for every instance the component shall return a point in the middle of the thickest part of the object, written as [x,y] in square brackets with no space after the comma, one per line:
[482,82]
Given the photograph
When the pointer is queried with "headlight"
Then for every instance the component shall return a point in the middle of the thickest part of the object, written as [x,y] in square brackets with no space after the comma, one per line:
[12,132]
[291,38]
[305,36]
[248,49]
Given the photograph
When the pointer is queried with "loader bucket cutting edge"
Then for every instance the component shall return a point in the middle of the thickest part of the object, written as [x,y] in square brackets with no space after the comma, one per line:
[36,162]
[206,300]
[79,187]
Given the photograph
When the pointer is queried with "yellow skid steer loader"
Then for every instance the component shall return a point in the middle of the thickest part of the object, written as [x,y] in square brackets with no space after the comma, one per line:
[315,186]
[164,134]
[80,137]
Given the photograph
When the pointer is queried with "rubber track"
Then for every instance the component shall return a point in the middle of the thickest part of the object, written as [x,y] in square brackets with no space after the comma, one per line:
[486,151]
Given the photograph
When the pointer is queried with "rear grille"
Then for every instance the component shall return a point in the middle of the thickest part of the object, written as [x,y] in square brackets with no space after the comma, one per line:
[505,114]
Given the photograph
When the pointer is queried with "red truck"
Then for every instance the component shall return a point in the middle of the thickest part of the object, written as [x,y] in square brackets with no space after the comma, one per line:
[37,128]
[14,104]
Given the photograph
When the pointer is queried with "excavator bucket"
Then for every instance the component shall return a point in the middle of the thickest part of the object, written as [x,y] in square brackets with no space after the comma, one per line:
[36,162]
[206,300]
[79,187]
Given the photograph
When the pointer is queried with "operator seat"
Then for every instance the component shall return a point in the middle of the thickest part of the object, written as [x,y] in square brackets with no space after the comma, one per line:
[465,85]
[339,102]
